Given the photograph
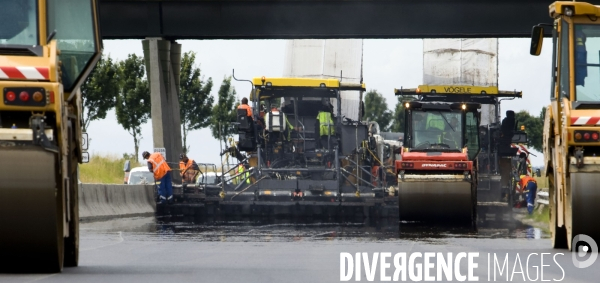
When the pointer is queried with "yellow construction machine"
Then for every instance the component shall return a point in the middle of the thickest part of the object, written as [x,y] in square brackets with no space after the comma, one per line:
[572,121]
[47,49]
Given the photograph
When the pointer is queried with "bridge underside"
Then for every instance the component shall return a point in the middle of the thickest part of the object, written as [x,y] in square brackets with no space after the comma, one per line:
[286,19]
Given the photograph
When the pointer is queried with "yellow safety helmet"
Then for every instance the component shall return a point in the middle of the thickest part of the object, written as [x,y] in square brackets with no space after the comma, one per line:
[522,176]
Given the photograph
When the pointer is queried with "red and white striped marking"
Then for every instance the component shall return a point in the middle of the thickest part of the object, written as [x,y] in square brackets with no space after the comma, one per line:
[24,73]
[521,148]
[585,120]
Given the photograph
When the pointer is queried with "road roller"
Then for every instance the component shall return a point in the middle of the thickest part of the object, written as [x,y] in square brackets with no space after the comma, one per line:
[47,49]
[571,137]
[437,180]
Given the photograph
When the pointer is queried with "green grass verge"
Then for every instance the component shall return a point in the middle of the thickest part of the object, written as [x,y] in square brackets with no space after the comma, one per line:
[108,169]
[104,169]
[540,215]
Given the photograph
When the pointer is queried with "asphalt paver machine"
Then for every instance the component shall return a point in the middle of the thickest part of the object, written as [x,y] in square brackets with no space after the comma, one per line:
[295,159]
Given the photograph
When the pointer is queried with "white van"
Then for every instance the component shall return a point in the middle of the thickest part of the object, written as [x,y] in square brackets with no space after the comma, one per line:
[138,175]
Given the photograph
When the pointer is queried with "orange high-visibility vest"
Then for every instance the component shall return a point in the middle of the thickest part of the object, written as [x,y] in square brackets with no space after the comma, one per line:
[525,180]
[247,107]
[187,173]
[184,167]
[159,165]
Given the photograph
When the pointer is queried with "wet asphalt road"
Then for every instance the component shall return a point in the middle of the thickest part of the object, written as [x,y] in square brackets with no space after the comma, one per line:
[184,250]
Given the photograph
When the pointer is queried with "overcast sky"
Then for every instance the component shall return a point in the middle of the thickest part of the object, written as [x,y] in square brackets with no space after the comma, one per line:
[388,64]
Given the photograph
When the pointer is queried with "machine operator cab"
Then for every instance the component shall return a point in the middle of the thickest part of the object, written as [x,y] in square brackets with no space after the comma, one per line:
[495,138]
[574,98]
[442,127]
[575,38]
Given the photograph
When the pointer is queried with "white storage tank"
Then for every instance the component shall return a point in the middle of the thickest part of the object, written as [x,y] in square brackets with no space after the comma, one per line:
[462,61]
[328,58]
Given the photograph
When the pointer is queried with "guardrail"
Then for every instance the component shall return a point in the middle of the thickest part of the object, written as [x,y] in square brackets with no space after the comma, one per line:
[542,197]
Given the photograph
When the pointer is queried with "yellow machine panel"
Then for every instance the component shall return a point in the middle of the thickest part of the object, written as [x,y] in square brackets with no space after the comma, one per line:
[572,122]
[43,61]
[457,89]
[296,82]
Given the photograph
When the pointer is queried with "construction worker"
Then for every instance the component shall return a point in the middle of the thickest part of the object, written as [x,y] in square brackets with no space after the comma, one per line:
[529,187]
[263,110]
[522,165]
[245,106]
[507,127]
[158,165]
[242,176]
[272,122]
[188,169]
[260,121]
[326,127]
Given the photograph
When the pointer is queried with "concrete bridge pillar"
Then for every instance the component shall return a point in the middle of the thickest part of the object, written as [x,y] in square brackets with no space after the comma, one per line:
[163,60]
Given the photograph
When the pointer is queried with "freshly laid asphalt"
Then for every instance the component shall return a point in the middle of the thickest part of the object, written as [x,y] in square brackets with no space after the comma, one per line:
[170,250]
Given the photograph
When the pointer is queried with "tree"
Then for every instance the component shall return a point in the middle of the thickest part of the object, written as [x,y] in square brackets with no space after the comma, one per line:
[376,110]
[533,128]
[543,114]
[99,91]
[399,115]
[133,101]
[195,101]
[224,112]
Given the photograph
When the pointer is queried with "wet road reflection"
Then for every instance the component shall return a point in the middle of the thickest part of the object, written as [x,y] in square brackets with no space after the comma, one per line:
[176,228]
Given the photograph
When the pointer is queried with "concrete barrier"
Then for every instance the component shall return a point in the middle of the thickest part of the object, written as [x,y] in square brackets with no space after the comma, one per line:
[98,201]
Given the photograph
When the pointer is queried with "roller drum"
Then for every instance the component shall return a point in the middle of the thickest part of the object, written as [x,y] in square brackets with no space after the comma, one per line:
[585,204]
[31,209]
[436,201]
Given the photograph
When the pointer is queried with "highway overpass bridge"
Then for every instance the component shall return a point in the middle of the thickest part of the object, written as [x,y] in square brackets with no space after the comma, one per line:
[285,19]
[160,22]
